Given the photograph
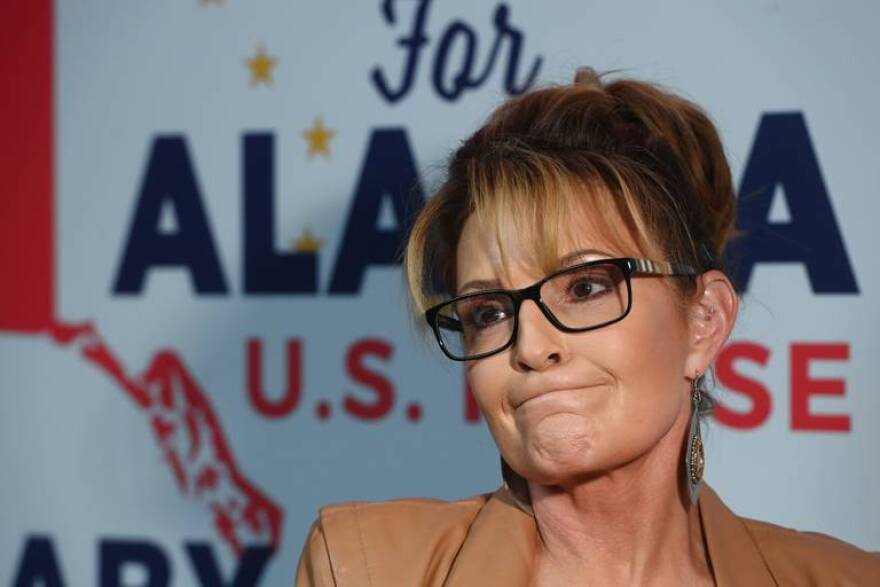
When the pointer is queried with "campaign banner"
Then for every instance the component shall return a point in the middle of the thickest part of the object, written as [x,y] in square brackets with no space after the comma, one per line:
[204,331]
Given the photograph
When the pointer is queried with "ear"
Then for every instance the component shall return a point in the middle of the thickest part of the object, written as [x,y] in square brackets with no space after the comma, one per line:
[711,315]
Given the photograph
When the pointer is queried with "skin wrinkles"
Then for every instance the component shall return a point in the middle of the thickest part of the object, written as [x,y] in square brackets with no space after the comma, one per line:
[596,421]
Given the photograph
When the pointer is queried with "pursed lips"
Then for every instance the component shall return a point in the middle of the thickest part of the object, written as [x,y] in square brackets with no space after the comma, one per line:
[518,399]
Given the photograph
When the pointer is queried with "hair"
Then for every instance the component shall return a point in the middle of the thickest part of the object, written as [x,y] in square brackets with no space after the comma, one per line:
[645,162]
[626,149]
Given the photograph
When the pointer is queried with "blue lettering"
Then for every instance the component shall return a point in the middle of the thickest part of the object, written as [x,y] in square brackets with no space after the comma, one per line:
[412,44]
[463,77]
[265,270]
[516,40]
[389,170]
[170,180]
[462,80]
[116,554]
[783,154]
[39,565]
[250,565]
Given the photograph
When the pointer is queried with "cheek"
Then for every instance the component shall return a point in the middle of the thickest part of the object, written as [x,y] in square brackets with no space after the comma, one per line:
[489,379]
[657,336]
[648,352]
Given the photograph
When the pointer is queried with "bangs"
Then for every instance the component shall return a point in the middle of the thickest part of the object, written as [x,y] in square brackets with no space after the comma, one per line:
[549,202]
[627,167]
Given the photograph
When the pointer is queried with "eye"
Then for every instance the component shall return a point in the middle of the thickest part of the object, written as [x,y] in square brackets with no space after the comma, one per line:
[585,288]
[483,314]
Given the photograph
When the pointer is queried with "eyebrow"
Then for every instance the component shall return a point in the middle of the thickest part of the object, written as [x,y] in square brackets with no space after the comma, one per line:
[578,255]
[566,260]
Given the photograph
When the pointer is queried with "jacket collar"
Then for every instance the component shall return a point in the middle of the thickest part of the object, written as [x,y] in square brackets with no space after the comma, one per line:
[503,539]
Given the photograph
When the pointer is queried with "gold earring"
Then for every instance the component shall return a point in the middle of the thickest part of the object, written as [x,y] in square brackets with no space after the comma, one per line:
[695,457]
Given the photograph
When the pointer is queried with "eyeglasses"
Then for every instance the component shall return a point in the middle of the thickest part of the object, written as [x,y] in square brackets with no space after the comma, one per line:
[583,297]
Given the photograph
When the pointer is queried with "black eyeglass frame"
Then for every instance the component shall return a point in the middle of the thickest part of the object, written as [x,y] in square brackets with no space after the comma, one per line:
[628,265]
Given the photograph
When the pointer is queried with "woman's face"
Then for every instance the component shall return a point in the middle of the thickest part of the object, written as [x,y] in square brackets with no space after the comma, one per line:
[561,405]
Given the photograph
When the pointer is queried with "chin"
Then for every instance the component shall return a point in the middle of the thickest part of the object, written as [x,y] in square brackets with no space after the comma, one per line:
[559,476]
[552,463]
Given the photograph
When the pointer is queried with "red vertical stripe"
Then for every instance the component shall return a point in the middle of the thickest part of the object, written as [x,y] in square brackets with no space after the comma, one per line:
[26,166]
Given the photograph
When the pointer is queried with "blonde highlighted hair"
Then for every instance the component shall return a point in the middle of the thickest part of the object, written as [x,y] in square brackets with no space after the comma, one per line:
[627,150]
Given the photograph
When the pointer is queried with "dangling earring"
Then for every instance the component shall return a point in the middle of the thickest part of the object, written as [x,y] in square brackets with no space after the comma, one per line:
[695,458]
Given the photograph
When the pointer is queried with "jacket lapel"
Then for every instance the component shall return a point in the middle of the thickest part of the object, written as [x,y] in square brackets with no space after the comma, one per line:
[498,548]
[736,559]
[503,540]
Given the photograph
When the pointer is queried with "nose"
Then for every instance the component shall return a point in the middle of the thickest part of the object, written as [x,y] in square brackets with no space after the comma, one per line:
[539,345]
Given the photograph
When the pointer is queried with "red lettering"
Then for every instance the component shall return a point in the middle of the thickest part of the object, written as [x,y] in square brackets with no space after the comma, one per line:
[738,383]
[802,386]
[256,394]
[384,391]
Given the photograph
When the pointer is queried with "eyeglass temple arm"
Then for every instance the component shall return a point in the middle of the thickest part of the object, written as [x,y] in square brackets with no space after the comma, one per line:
[662,268]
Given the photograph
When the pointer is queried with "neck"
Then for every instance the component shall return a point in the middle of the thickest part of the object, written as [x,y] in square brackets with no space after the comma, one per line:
[628,526]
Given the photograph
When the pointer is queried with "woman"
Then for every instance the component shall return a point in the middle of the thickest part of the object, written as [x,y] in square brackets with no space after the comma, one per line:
[572,259]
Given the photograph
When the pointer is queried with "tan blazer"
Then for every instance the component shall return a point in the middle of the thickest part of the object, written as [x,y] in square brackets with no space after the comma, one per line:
[488,540]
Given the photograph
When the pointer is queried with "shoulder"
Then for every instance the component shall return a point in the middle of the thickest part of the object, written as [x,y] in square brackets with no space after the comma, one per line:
[797,557]
[400,541]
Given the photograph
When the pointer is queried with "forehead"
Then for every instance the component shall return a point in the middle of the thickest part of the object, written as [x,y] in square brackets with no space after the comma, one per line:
[516,251]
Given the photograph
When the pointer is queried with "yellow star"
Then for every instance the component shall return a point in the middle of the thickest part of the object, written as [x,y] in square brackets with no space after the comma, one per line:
[318,138]
[307,243]
[261,66]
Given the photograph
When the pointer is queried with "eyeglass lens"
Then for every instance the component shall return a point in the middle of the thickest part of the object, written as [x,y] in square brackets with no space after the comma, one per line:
[581,298]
